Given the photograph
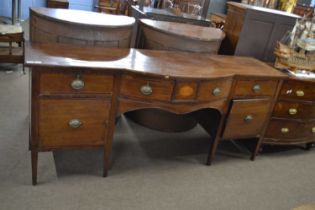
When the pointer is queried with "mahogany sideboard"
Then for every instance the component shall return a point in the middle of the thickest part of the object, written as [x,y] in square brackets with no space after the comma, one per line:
[76,90]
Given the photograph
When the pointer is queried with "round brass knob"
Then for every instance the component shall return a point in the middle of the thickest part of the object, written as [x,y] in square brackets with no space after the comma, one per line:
[248,118]
[256,88]
[75,123]
[292,111]
[146,89]
[77,84]
[284,130]
[313,130]
[216,91]
[300,93]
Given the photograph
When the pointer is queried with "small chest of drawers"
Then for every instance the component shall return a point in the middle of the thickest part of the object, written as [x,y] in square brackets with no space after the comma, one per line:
[293,117]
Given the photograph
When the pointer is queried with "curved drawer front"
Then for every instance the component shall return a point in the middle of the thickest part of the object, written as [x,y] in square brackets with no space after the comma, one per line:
[282,130]
[301,90]
[75,82]
[255,87]
[213,90]
[79,122]
[247,118]
[294,110]
[146,88]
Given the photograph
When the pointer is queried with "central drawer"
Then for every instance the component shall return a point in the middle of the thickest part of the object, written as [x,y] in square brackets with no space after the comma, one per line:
[72,122]
[246,118]
[146,88]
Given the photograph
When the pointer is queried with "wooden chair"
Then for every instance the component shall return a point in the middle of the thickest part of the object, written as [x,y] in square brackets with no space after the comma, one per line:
[8,53]
[112,6]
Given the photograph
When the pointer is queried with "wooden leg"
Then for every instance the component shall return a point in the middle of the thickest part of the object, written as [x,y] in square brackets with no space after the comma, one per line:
[34,166]
[212,150]
[256,150]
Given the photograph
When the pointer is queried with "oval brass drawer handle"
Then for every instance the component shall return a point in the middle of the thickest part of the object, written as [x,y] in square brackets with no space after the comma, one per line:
[77,84]
[313,130]
[248,118]
[75,123]
[146,89]
[256,88]
[300,93]
[292,111]
[216,91]
[284,130]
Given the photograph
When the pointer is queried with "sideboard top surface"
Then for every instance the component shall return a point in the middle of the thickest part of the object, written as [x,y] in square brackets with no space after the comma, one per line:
[185,30]
[84,17]
[159,63]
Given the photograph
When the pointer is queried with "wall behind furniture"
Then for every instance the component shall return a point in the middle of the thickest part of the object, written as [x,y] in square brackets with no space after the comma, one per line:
[6,5]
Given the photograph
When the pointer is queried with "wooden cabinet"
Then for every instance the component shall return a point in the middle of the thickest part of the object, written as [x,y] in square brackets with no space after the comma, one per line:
[254,31]
[294,114]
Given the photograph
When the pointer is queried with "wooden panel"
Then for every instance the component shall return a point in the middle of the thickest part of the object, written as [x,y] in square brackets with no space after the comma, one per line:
[54,117]
[254,38]
[240,125]
[185,90]
[206,89]
[54,82]
[283,130]
[246,87]
[153,39]
[301,90]
[131,87]
[294,110]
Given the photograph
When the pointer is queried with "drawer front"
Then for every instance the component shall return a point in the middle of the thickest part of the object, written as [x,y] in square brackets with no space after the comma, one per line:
[246,118]
[213,90]
[309,130]
[72,122]
[294,110]
[53,82]
[292,89]
[146,88]
[255,87]
[282,130]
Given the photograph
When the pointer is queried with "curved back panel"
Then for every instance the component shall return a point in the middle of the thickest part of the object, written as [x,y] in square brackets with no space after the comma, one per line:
[80,28]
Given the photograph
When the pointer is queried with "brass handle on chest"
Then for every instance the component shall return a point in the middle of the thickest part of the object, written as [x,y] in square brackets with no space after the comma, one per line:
[292,111]
[248,118]
[284,130]
[75,123]
[77,84]
[313,130]
[256,88]
[299,93]
[146,89]
[216,91]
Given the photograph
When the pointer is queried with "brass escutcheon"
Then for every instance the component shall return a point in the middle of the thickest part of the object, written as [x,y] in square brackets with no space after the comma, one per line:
[75,123]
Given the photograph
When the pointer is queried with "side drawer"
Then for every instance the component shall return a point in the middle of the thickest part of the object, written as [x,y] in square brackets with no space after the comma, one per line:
[213,90]
[246,118]
[75,82]
[284,130]
[146,88]
[292,89]
[294,110]
[72,122]
[255,87]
